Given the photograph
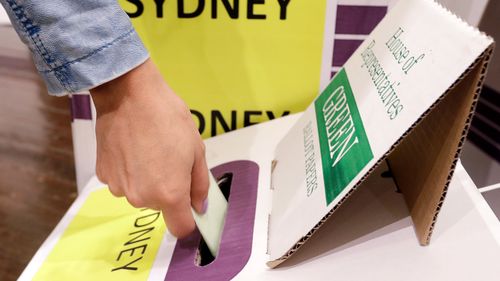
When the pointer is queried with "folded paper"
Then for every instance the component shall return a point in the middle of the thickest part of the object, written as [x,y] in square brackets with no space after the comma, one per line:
[211,223]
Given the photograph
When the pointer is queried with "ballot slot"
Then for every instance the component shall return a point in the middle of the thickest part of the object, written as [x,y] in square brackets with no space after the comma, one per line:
[224,183]
[238,181]
[203,255]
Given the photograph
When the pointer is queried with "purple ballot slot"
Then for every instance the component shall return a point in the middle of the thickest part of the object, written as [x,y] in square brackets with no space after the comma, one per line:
[236,242]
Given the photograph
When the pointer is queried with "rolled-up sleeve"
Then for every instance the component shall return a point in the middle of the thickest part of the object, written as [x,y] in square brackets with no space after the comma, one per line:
[77,45]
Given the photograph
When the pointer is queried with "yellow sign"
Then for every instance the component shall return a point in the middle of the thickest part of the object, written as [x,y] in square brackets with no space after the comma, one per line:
[107,240]
[235,62]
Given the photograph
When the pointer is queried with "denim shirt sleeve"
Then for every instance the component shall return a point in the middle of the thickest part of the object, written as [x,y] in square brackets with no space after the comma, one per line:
[77,44]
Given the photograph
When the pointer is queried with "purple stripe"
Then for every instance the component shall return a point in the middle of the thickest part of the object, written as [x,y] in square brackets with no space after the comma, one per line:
[80,107]
[343,49]
[358,19]
[333,74]
[236,242]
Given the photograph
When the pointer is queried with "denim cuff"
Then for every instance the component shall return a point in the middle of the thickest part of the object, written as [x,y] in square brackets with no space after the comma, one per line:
[98,67]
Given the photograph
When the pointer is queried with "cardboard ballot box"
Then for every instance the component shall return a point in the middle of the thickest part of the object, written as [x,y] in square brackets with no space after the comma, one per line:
[370,238]
[350,189]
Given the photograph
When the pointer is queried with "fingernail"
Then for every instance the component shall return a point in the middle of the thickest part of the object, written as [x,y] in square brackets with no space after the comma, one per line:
[205,206]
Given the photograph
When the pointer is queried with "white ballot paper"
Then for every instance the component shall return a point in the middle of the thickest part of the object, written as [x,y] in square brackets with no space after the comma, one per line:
[211,223]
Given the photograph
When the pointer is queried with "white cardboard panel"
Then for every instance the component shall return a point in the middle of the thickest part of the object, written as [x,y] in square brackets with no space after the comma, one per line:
[84,149]
[419,50]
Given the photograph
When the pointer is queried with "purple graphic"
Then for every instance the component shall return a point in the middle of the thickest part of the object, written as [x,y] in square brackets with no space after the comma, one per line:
[358,19]
[343,50]
[80,107]
[353,23]
[236,241]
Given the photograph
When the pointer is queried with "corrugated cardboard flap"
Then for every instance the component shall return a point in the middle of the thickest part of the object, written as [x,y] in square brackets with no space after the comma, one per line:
[423,163]
[423,157]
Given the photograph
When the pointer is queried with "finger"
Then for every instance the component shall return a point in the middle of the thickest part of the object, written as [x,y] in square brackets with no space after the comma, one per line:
[102,176]
[115,189]
[99,171]
[199,182]
[178,216]
[135,199]
[112,186]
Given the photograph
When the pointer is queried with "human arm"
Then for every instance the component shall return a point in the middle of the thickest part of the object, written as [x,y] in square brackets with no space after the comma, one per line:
[148,147]
[69,39]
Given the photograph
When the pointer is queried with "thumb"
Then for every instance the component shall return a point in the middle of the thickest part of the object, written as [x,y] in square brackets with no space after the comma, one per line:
[199,182]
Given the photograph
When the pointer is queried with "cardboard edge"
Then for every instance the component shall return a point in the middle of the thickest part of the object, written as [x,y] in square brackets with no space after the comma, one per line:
[273,166]
[462,22]
[485,58]
[275,263]
[271,187]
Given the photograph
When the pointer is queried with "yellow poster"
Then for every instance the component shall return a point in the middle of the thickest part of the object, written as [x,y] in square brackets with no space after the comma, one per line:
[235,62]
[107,240]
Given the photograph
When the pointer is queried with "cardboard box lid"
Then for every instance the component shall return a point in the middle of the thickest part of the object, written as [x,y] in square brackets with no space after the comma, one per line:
[408,94]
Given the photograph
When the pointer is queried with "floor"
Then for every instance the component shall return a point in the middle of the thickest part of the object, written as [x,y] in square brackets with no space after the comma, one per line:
[37,177]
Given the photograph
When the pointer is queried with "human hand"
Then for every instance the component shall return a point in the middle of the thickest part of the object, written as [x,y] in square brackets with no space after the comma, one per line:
[148,147]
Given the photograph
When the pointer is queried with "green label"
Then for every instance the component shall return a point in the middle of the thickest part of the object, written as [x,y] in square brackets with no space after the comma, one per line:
[345,150]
